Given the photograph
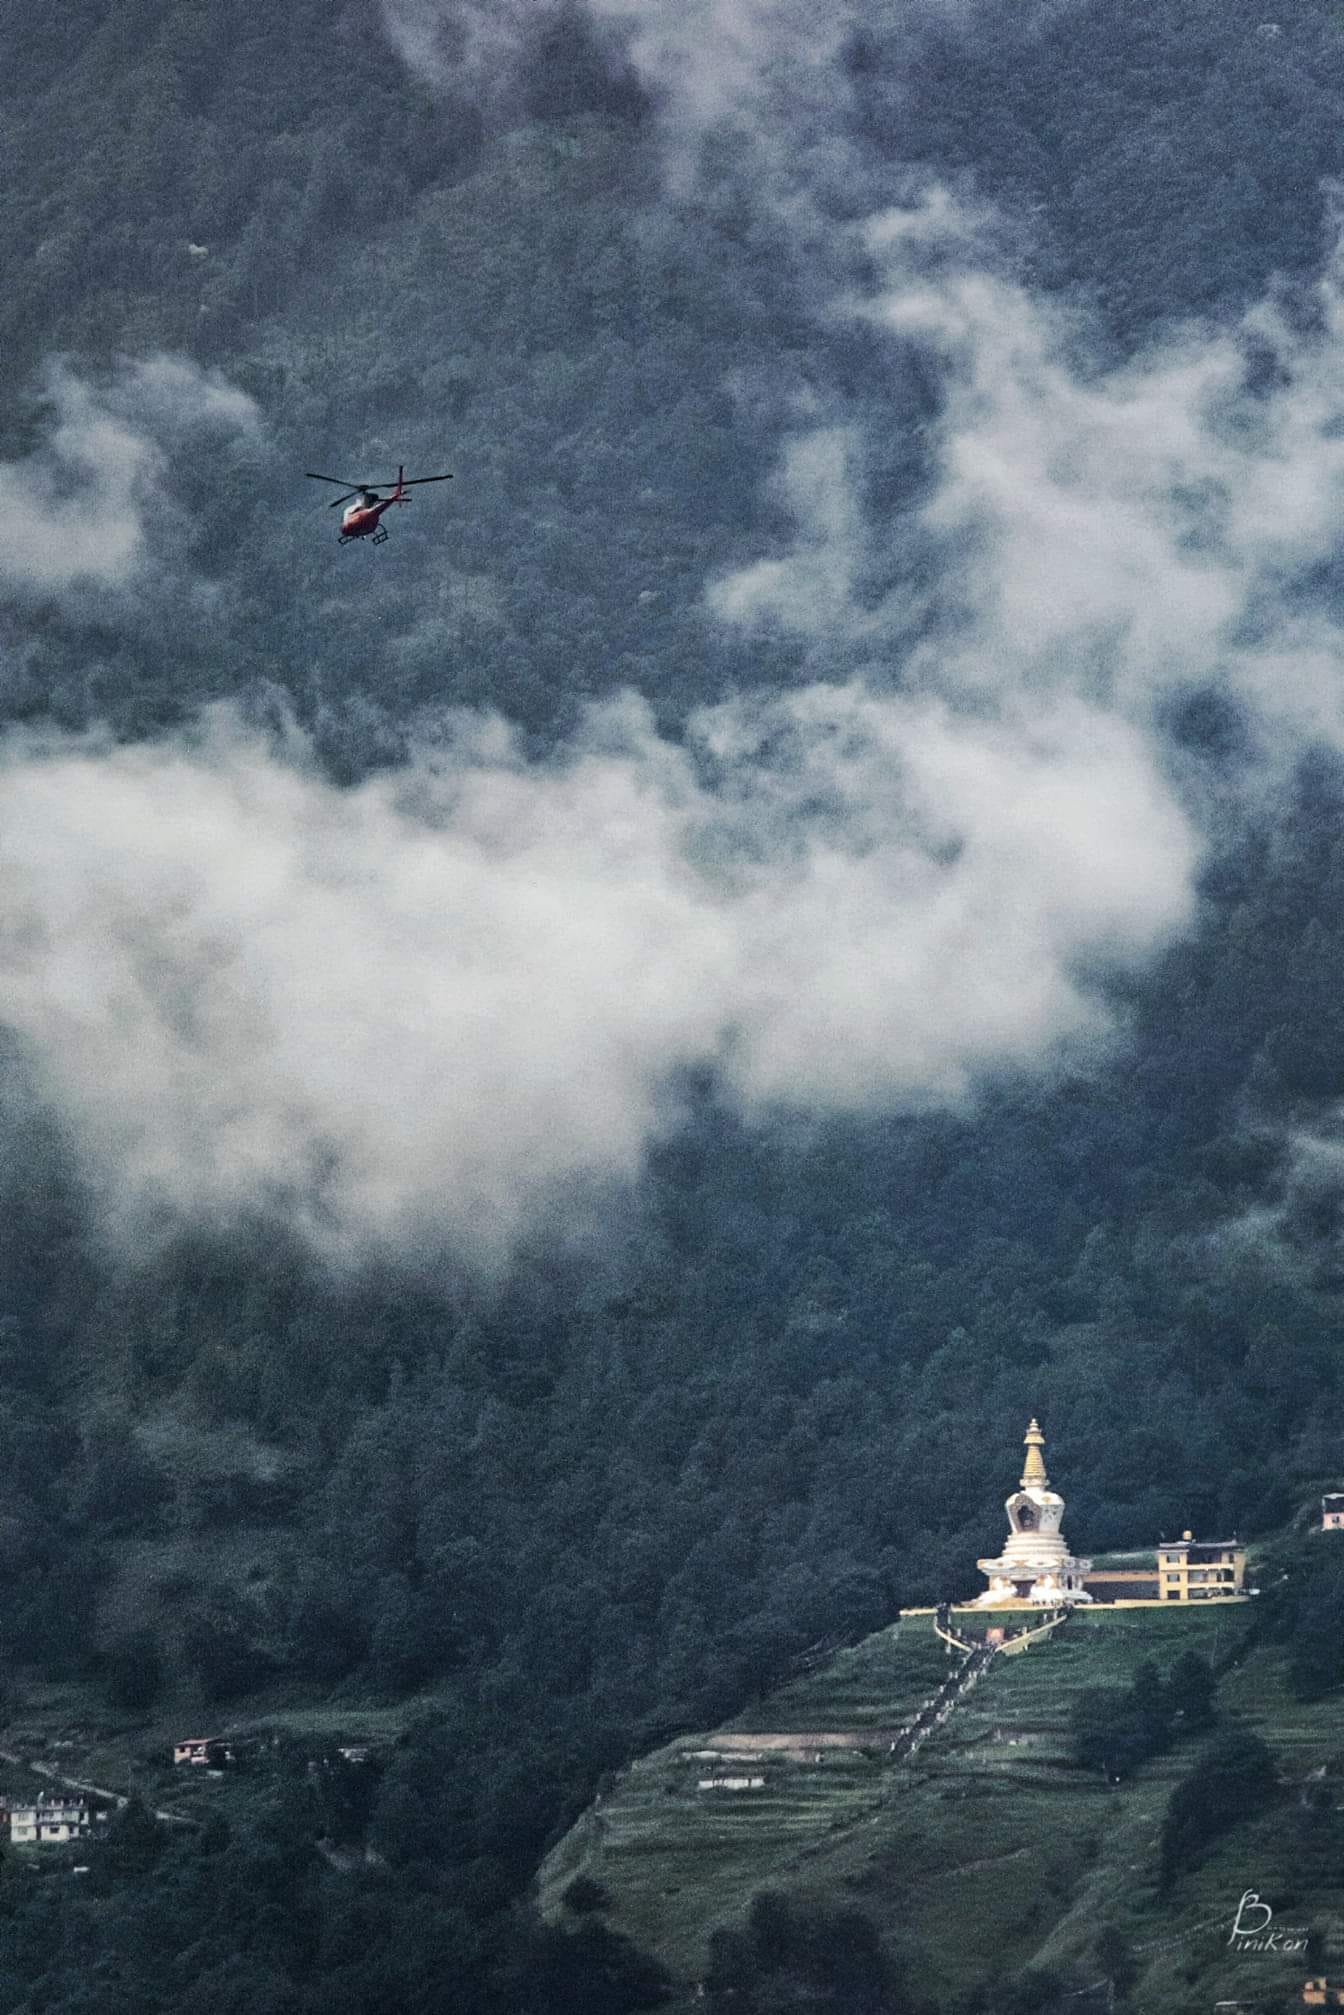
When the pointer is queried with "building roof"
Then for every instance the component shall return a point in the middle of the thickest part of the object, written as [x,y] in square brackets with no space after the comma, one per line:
[1201,1549]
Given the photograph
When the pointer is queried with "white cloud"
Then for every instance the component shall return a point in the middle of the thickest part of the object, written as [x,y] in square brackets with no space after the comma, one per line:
[467,44]
[80,512]
[813,588]
[1120,536]
[952,887]
[436,1005]
[765,67]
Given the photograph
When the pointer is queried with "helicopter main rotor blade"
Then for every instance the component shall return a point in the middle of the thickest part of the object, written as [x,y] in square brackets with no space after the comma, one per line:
[369,490]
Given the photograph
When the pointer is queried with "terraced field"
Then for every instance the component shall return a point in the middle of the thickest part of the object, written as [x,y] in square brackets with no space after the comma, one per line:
[992,1851]
[667,1840]
[878,1684]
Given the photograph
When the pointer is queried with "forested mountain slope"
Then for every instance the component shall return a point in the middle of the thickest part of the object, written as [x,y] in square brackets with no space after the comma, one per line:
[296,1403]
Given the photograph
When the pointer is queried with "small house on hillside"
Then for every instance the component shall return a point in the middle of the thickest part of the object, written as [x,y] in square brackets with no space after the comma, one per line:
[1332,1511]
[51,1820]
[209,1751]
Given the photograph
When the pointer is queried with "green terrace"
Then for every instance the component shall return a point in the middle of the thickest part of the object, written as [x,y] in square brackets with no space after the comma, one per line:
[879,1684]
[991,1850]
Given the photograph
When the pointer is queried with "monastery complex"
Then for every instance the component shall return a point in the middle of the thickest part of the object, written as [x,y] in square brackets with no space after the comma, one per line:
[1036,1568]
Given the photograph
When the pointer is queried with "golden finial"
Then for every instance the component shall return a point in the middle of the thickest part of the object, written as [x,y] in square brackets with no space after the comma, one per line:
[1033,1470]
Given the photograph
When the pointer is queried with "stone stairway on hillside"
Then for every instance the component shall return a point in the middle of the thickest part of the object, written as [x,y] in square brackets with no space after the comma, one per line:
[935,1712]
[897,1743]
[978,1655]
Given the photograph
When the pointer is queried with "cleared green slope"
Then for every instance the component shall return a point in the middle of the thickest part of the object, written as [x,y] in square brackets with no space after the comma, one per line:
[991,1852]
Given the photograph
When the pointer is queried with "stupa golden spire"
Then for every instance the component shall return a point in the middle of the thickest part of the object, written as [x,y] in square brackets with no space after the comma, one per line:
[1033,1471]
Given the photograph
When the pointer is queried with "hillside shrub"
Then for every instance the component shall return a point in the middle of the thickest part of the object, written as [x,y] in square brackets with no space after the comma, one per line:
[1115,1729]
[1233,1780]
[789,1955]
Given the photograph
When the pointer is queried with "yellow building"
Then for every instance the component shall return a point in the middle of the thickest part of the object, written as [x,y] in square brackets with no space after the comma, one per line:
[1189,1570]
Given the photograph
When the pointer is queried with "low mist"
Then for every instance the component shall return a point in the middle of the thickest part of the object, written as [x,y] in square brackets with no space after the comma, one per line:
[428,1006]
[84,515]
[457,999]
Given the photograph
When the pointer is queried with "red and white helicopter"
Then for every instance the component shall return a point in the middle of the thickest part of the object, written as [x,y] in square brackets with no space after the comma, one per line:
[363,519]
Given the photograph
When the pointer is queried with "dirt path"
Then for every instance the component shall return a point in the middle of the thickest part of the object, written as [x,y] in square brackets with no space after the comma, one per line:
[49,1770]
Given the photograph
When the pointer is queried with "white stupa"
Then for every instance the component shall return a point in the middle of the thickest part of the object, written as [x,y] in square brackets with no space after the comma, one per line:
[1035,1565]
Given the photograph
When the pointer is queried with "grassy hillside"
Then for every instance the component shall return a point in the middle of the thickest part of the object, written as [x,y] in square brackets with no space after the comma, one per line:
[993,1853]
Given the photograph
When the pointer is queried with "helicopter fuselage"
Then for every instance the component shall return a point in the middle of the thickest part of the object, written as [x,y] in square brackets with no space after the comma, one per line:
[365,514]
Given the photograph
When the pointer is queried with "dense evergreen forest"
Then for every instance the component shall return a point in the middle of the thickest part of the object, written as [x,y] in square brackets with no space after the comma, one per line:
[772,1386]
